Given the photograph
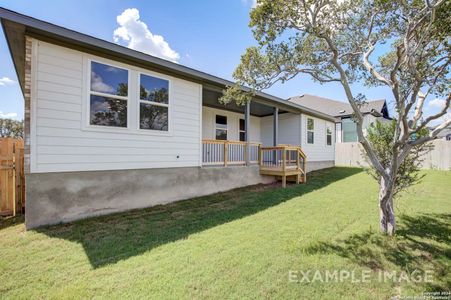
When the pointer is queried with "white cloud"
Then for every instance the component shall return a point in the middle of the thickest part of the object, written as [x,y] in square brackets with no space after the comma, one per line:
[252,2]
[137,36]
[435,106]
[437,103]
[6,81]
[11,115]
[98,85]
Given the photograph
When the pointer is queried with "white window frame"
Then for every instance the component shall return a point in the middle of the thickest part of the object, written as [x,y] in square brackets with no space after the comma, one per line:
[133,102]
[226,129]
[308,130]
[138,108]
[328,126]
[89,93]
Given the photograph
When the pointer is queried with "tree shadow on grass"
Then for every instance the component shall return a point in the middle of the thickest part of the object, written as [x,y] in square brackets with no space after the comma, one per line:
[422,243]
[112,238]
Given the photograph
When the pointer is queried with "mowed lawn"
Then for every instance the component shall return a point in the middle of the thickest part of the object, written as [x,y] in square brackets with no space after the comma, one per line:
[240,244]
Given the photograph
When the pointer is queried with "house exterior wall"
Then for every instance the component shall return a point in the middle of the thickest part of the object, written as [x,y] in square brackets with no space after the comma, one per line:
[68,196]
[62,140]
[78,170]
[319,150]
[289,129]
[368,119]
[293,131]
[233,124]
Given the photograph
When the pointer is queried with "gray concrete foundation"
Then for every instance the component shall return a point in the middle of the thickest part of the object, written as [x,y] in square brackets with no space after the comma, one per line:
[317,165]
[62,197]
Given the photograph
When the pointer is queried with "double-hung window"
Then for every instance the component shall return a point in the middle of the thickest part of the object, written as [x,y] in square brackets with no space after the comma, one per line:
[310,131]
[328,135]
[221,127]
[108,95]
[153,103]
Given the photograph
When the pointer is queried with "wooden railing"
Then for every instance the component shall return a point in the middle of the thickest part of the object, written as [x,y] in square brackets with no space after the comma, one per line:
[223,153]
[285,161]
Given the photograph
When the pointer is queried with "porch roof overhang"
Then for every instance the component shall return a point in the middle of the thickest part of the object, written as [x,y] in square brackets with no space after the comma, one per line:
[16,26]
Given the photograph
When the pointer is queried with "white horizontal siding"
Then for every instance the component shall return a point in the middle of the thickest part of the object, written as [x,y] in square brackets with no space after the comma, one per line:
[292,130]
[233,124]
[289,129]
[61,142]
[319,150]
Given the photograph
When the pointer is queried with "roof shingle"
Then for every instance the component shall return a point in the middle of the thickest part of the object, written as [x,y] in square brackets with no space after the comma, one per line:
[335,108]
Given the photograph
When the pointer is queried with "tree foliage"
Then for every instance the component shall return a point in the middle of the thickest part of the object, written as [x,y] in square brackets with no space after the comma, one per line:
[403,45]
[381,136]
[11,128]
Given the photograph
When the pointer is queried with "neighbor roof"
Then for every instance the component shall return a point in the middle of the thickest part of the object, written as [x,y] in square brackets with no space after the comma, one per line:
[16,26]
[336,108]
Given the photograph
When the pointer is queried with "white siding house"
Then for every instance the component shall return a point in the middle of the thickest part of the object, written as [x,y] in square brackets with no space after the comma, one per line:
[293,131]
[63,139]
[233,124]
[319,150]
[346,130]
[108,128]
[289,130]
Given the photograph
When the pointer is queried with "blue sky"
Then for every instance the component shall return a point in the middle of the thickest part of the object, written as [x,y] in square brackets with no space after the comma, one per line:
[206,35]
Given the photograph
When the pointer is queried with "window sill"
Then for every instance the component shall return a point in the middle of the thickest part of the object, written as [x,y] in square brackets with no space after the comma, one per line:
[122,130]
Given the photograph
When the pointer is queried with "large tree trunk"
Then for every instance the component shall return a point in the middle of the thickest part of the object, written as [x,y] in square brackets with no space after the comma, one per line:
[387,214]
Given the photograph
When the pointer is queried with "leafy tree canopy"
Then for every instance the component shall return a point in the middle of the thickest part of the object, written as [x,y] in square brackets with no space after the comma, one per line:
[11,128]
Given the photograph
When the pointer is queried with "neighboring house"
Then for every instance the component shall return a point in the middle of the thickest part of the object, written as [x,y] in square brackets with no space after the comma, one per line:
[346,130]
[108,128]
[445,134]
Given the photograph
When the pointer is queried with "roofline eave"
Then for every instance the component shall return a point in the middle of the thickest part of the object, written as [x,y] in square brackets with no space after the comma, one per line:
[55,34]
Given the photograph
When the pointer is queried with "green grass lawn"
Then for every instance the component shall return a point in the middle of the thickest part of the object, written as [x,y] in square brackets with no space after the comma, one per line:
[240,244]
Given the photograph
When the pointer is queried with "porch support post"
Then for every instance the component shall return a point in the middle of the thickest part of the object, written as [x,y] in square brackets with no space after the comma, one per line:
[275,126]
[275,137]
[247,127]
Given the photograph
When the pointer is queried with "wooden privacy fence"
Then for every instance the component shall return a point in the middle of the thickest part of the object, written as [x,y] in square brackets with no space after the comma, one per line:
[352,155]
[12,179]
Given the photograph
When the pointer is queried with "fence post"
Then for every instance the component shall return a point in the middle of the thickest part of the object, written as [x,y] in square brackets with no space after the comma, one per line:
[14,179]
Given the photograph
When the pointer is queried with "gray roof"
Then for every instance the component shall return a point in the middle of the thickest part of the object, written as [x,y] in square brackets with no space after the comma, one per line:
[336,108]
[445,132]
[16,26]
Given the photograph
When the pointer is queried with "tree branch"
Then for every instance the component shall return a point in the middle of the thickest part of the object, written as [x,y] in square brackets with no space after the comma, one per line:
[436,116]
[371,69]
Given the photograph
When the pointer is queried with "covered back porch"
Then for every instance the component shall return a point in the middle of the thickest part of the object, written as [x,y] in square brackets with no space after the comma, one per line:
[232,136]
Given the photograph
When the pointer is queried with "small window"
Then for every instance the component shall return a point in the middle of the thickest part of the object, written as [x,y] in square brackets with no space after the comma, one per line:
[153,103]
[221,127]
[108,95]
[310,131]
[328,135]
[242,131]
